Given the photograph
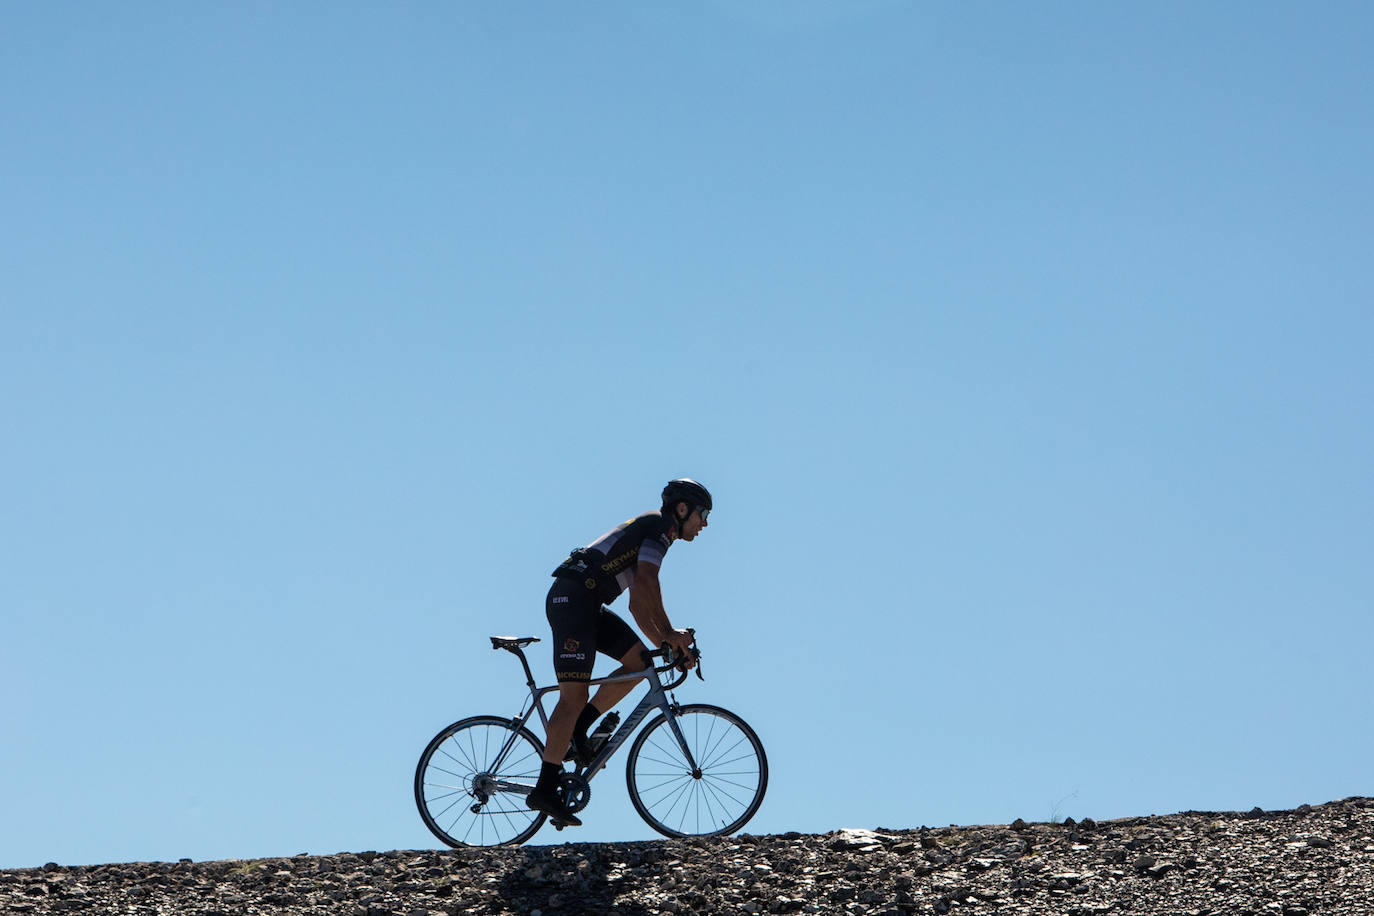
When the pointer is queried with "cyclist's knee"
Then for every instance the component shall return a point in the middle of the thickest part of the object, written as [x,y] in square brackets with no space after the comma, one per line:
[574,692]
[634,659]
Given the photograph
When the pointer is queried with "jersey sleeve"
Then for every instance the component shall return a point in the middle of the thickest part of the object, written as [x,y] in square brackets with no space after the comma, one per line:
[651,551]
[654,546]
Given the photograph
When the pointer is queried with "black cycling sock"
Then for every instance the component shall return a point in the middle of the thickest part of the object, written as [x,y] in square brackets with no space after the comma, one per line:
[584,721]
[548,775]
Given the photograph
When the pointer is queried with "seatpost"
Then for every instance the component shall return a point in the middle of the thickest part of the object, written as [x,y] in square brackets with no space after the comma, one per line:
[520,654]
[529,675]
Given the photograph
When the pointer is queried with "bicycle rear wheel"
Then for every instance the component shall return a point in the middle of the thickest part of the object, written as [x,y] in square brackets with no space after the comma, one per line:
[469,797]
[715,798]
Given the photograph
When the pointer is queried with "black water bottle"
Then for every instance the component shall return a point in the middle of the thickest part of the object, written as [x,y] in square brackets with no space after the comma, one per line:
[598,737]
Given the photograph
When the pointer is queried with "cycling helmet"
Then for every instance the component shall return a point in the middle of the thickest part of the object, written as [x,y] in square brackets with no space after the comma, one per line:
[686,490]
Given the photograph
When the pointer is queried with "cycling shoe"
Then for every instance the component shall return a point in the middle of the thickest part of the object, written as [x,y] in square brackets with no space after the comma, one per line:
[549,803]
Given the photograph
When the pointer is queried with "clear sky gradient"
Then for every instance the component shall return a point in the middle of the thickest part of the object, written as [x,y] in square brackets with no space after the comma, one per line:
[1025,347]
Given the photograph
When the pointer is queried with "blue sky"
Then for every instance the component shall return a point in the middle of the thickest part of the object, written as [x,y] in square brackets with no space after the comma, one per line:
[1025,348]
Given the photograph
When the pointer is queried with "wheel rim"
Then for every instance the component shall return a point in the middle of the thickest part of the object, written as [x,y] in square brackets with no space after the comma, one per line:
[717,796]
[454,785]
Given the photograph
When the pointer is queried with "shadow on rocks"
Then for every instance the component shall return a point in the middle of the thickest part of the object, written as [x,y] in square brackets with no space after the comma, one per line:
[567,884]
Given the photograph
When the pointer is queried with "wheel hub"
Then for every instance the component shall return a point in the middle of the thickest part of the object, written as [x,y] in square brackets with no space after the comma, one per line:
[480,788]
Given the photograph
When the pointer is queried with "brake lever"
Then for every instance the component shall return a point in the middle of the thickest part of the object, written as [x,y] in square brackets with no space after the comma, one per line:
[696,656]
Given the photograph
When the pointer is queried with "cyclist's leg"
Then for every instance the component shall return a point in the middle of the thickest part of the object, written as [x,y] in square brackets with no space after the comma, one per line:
[573,620]
[615,638]
[572,699]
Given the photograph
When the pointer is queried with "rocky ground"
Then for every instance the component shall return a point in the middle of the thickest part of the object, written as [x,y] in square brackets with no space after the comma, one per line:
[1313,860]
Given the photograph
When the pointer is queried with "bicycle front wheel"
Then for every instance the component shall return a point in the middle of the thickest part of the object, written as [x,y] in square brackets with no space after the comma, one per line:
[715,797]
[472,779]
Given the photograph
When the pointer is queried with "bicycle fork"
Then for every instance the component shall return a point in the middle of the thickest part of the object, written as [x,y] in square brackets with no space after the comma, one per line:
[673,713]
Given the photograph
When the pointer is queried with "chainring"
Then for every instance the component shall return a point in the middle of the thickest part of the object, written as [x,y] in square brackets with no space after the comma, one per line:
[574,791]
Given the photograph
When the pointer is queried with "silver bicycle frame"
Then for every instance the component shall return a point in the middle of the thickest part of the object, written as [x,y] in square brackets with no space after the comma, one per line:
[656,698]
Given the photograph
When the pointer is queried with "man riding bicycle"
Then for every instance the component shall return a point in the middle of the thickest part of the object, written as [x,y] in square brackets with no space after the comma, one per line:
[626,557]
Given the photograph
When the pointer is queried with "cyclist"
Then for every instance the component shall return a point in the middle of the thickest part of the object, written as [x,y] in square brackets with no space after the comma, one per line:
[626,557]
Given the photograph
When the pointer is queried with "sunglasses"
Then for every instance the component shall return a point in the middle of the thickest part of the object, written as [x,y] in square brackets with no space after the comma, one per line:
[704,512]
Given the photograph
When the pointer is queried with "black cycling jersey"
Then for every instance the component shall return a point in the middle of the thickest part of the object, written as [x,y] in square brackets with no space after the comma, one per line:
[606,566]
[594,575]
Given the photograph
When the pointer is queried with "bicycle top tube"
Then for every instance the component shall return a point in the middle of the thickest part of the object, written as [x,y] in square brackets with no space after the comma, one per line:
[609,679]
[649,668]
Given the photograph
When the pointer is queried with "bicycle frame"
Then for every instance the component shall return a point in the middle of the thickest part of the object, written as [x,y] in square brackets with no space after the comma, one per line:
[656,698]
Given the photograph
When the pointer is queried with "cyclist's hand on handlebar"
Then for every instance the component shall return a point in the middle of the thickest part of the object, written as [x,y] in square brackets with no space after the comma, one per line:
[680,641]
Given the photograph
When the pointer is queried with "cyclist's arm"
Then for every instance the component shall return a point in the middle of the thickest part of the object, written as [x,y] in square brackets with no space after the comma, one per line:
[646,604]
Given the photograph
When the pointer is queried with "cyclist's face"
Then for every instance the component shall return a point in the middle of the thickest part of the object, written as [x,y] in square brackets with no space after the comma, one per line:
[693,525]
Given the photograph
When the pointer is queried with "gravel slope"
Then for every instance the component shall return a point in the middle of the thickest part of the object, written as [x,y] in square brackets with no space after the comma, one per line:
[1313,860]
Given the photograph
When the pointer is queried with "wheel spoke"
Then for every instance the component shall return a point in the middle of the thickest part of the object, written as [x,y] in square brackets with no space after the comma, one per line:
[682,794]
[716,780]
[440,769]
[674,787]
[457,790]
[716,784]
[672,750]
[710,809]
[748,755]
[680,765]
[715,751]
[672,780]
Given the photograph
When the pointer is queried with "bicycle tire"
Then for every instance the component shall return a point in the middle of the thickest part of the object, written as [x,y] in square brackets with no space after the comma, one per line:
[449,776]
[657,773]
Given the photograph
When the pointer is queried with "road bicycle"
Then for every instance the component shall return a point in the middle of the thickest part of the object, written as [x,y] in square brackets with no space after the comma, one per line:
[695,770]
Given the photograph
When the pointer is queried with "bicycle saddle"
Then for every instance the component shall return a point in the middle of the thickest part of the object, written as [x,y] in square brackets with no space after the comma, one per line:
[512,642]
